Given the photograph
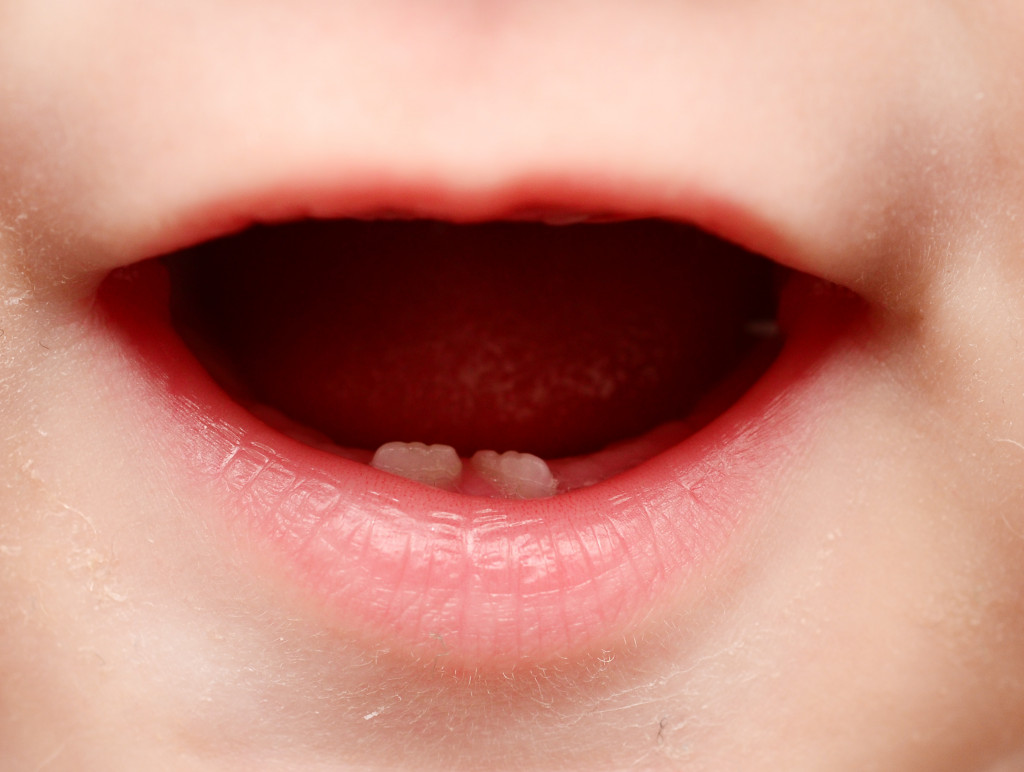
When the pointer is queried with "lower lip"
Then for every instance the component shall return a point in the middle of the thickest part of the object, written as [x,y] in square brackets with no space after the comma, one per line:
[483,582]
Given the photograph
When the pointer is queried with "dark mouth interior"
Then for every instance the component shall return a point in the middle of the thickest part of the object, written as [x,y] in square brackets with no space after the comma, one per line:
[552,340]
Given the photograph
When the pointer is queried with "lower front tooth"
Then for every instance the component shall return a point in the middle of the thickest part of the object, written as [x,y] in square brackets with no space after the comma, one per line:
[437,465]
[515,475]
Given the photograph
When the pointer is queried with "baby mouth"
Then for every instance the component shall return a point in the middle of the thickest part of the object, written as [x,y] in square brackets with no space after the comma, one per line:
[496,442]
[509,359]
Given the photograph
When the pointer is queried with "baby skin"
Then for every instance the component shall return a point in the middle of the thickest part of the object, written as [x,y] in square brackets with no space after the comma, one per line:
[205,566]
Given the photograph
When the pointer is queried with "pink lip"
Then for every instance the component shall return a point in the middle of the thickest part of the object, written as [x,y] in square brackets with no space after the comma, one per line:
[480,581]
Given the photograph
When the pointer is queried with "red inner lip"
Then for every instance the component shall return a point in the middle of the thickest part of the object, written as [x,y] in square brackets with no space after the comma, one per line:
[481,582]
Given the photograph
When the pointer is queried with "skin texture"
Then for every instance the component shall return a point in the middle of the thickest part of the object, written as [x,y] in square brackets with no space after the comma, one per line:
[873,621]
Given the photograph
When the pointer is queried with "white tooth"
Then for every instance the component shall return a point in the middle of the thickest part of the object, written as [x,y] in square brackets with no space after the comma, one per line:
[516,475]
[437,465]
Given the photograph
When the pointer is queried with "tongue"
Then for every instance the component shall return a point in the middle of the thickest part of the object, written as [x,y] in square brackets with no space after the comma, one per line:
[509,336]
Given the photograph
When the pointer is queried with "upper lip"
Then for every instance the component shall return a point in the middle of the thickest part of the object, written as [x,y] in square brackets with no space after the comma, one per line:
[549,197]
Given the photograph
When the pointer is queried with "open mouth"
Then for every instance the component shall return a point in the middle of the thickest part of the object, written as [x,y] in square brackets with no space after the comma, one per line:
[505,359]
[496,441]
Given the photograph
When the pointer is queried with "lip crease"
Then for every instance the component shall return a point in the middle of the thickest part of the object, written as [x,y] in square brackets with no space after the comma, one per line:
[482,582]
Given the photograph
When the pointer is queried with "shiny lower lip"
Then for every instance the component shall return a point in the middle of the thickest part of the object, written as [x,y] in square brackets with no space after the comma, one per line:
[483,582]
